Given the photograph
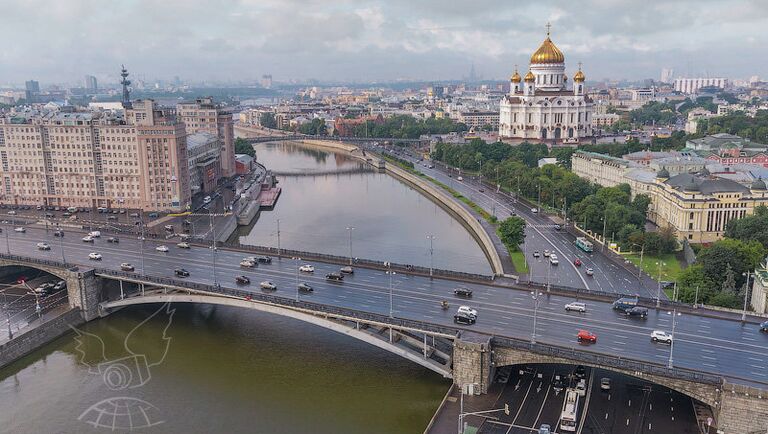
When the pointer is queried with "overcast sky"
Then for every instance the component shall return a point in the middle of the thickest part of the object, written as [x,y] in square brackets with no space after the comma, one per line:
[367,40]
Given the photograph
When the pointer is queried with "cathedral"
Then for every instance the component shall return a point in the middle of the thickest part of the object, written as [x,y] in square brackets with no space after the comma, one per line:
[540,105]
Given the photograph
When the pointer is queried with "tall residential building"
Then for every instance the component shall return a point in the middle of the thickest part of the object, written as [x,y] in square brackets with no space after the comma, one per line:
[691,85]
[91,159]
[90,82]
[666,75]
[202,115]
[540,105]
[266,81]
[32,86]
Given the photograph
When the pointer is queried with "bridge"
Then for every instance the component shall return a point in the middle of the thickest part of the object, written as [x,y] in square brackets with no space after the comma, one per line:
[298,137]
[723,368]
[339,171]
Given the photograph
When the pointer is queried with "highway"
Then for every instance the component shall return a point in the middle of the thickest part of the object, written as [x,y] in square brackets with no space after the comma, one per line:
[542,235]
[713,345]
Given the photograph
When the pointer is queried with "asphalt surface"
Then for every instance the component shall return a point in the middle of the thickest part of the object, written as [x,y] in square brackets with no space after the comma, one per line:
[542,235]
[629,406]
[720,346]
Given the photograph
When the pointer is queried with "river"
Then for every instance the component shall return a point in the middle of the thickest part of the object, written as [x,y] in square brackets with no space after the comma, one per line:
[391,220]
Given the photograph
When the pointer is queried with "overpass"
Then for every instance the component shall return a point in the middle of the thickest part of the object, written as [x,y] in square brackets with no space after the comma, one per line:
[405,318]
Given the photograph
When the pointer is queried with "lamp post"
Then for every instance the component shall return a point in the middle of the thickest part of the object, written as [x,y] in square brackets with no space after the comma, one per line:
[461,408]
[391,293]
[535,295]
[746,293]
[605,221]
[431,239]
[213,246]
[642,250]
[278,239]
[549,267]
[658,289]
[350,229]
[297,259]
[672,342]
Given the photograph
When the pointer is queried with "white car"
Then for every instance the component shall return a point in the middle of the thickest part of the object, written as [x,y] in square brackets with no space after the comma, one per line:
[546,253]
[94,256]
[459,178]
[94,234]
[183,245]
[576,306]
[162,248]
[466,310]
[87,239]
[306,268]
[661,336]
[43,246]
[535,210]
[553,259]
[20,229]
[581,387]
[247,263]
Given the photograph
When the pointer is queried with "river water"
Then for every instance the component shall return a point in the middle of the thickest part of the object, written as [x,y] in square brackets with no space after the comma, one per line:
[226,370]
[391,220]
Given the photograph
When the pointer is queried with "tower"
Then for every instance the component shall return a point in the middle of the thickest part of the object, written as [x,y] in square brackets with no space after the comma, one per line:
[578,82]
[514,85]
[126,92]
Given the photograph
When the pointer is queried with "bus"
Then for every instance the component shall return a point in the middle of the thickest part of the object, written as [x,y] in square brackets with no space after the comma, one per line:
[570,411]
[583,244]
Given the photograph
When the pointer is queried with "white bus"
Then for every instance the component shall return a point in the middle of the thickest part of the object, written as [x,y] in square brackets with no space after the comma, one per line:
[570,411]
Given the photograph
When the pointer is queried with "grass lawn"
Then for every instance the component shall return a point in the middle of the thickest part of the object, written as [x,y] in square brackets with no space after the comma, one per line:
[669,271]
[518,260]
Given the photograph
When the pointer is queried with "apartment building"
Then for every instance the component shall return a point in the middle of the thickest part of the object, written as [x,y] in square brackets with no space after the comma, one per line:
[691,85]
[203,115]
[92,159]
[203,157]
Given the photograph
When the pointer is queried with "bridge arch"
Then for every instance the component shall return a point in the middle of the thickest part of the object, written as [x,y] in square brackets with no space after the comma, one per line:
[395,342]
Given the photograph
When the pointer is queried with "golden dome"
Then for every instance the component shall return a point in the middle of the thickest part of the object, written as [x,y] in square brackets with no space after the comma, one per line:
[515,77]
[579,77]
[548,53]
[529,77]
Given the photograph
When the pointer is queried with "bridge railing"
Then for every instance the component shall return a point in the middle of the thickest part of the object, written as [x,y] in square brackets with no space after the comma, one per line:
[617,362]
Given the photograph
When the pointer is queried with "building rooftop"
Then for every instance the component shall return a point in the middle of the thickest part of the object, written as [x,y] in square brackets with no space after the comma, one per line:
[706,185]
[200,139]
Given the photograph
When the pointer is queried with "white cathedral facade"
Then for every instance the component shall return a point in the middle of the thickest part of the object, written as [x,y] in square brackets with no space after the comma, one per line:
[541,106]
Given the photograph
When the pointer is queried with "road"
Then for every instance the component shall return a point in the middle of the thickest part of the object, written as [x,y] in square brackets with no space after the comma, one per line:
[716,345]
[541,235]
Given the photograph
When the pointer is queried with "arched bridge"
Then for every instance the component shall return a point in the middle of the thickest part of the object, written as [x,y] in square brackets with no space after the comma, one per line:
[278,138]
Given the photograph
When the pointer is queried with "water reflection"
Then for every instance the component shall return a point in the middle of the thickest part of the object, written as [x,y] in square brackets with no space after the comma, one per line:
[391,220]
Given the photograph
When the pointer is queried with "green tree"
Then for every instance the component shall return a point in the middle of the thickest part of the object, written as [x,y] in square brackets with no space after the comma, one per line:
[740,256]
[268,120]
[749,228]
[512,232]
[243,147]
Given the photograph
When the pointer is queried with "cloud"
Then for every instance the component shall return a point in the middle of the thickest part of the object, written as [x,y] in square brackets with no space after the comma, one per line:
[374,40]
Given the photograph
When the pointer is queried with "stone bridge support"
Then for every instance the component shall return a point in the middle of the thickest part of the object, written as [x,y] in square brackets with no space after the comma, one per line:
[83,289]
[472,362]
[742,410]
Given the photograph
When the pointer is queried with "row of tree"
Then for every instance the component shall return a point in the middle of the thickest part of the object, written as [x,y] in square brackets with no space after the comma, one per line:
[408,127]
[753,128]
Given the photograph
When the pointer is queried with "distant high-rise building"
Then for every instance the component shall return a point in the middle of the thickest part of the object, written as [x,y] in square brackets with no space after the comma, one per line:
[666,75]
[266,81]
[32,86]
[90,82]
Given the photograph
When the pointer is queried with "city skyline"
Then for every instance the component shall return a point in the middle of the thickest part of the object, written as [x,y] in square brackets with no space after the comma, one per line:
[378,41]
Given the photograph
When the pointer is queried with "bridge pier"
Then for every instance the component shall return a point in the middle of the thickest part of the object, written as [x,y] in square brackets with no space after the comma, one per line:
[83,288]
[472,362]
[742,410]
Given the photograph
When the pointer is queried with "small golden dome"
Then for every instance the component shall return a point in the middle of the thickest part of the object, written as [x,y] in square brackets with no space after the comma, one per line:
[548,53]
[579,77]
[529,77]
[515,77]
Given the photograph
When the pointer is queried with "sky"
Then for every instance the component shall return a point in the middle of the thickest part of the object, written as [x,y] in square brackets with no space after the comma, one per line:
[367,40]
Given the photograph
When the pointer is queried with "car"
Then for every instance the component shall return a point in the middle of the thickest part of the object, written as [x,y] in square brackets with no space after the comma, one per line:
[661,336]
[207,199]
[637,311]
[44,288]
[61,284]
[20,230]
[58,233]
[536,254]
[558,385]
[94,256]
[242,280]
[153,215]
[94,234]
[581,387]
[168,228]
[535,210]
[113,240]
[580,372]
[466,310]
[87,239]
[122,211]
[125,266]
[334,276]
[133,214]
[112,217]
[464,319]
[263,259]
[347,270]
[185,236]
[462,291]
[558,227]
[247,263]
[482,190]
[306,268]
[101,209]
[11,212]
[605,383]
[576,306]
[459,178]
[304,287]
[162,248]
[43,246]
[764,326]
[589,272]
[181,272]
[267,284]
[186,223]
[50,214]
[21,279]
[586,336]
[577,262]
[183,245]
[553,259]
[546,253]
[545,428]
[625,303]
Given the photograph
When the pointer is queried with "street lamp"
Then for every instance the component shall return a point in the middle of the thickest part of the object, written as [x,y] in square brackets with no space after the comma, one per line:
[642,250]
[213,245]
[297,259]
[658,289]
[672,342]
[431,239]
[350,229]
[746,292]
[462,415]
[391,294]
[535,295]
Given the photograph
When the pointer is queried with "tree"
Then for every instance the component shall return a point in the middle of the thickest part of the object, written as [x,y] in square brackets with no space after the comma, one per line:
[243,147]
[268,120]
[512,232]
[316,127]
[737,255]
[749,228]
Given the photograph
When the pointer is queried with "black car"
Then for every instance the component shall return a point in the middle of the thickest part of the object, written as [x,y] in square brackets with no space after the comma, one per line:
[464,319]
[305,287]
[113,240]
[58,233]
[637,311]
[463,292]
[580,372]
[242,280]
[334,276]
[181,272]
[264,259]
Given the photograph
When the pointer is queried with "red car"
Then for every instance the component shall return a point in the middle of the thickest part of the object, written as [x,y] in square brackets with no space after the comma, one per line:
[577,262]
[586,336]
[21,279]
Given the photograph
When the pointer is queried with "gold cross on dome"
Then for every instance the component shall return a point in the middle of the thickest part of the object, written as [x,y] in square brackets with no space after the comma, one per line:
[549,27]
[579,66]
